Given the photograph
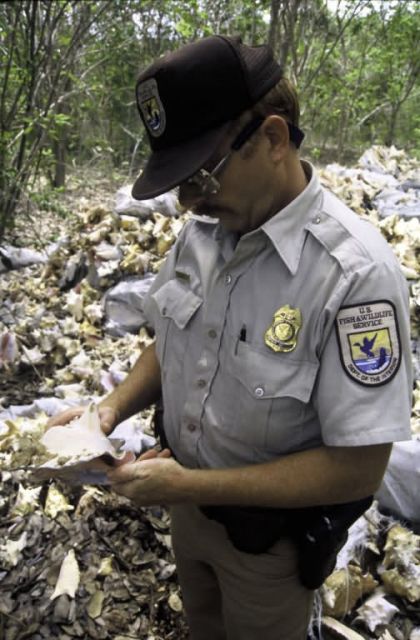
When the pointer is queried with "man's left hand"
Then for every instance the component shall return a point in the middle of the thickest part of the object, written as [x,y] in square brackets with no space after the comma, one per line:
[154,478]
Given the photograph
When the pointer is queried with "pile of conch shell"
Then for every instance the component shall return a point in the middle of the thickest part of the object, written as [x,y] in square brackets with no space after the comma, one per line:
[56,348]
[376,583]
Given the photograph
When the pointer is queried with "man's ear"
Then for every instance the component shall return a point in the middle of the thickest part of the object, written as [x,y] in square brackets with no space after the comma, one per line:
[275,129]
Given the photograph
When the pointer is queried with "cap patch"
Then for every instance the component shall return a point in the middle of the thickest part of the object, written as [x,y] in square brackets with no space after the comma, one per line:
[369,342]
[151,107]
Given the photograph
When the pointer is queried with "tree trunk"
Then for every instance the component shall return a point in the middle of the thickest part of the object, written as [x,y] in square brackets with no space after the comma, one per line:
[59,146]
[59,150]
[274,21]
[289,16]
[390,135]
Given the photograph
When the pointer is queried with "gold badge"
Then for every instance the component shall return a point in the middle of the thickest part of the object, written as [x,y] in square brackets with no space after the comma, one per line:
[282,334]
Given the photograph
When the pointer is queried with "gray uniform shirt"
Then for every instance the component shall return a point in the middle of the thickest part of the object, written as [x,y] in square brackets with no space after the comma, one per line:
[297,335]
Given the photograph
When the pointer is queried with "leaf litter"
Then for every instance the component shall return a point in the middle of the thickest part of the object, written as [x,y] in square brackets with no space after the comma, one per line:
[79,561]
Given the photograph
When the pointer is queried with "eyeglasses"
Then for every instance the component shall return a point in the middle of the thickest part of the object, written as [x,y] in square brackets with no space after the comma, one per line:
[206,181]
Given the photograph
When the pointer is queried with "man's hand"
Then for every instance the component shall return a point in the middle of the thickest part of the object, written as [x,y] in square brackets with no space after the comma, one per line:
[108,417]
[155,478]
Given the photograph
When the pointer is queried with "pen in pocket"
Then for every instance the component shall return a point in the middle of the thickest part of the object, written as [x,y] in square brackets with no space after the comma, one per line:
[241,337]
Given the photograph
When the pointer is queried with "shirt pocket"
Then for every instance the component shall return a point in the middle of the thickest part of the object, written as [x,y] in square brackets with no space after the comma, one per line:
[177,304]
[273,398]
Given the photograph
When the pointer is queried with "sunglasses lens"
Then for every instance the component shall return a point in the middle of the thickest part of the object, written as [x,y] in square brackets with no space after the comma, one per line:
[205,182]
[211,186]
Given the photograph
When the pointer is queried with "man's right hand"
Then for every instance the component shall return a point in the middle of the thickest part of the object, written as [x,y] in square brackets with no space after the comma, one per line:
[108,416]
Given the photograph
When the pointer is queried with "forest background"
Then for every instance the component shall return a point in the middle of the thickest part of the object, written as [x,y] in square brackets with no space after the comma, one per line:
[68,70]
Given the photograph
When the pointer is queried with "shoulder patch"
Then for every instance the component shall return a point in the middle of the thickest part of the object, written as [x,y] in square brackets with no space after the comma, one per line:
[369,342]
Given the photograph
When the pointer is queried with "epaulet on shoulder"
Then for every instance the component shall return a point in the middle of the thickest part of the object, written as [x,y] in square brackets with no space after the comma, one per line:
[349,239]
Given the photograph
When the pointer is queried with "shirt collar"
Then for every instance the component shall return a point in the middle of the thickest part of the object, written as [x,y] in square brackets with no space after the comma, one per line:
[287,228]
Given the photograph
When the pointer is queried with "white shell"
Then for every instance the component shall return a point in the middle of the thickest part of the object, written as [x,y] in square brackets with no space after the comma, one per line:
[80,441]
[56,502]
[68,579]
[10,551]
[343,588]
[339,629]
[401,565]
[376,611]
[386,636]
[26,501]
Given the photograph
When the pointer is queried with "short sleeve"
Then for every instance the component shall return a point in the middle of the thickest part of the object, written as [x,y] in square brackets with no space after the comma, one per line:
[364,386]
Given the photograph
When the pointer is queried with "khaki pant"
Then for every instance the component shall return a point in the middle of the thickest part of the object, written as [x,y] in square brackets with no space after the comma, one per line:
[231,595]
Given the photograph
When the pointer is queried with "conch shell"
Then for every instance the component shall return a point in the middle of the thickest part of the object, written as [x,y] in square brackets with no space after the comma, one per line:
[77,447]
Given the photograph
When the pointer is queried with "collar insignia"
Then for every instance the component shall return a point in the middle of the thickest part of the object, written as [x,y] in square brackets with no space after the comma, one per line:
[282,334]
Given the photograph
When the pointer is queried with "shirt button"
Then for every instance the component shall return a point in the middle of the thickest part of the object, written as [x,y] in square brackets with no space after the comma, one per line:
[212,333]
[191,427]
[201,383]
[317,220]
[259,392]
[228,278]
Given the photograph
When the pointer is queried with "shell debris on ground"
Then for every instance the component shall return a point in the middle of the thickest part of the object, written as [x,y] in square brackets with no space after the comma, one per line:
[68,334]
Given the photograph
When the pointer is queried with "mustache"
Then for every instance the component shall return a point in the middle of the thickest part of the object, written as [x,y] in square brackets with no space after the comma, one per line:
[188,202]
[191,198]
[200,209]
[205,209]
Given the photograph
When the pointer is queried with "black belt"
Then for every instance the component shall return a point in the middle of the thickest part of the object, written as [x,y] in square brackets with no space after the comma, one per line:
[318,532]
[251,529]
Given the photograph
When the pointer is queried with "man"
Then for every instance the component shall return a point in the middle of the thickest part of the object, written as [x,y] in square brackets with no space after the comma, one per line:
[282,348]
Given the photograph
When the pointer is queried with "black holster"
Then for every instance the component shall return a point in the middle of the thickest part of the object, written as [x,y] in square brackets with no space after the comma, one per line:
[158,426]
[318,532]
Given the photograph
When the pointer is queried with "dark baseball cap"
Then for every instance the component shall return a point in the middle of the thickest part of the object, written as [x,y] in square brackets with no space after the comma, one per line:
[187,101]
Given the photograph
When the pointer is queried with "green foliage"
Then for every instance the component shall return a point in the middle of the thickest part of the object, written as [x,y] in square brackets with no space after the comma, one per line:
[69,69]
[360,94]
[40,42]
[49,200]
